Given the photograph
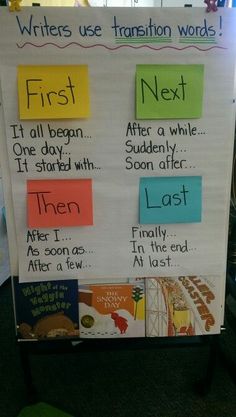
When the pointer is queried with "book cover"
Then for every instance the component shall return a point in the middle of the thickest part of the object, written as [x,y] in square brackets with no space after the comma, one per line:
[112,310]
[183,306]
[47,309]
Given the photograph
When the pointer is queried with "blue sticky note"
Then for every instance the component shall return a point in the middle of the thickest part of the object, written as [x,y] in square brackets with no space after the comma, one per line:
[170,200]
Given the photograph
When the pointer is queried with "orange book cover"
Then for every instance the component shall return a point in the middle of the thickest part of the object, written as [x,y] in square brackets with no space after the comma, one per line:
[112,310]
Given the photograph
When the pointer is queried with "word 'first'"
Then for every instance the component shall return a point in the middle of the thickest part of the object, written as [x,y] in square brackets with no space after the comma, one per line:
[35,91]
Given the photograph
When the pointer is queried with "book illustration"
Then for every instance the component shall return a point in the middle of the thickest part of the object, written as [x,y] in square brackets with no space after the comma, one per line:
[46,309]
[114,310]
[54,325]
[182,306]
[137,295]
[120,322]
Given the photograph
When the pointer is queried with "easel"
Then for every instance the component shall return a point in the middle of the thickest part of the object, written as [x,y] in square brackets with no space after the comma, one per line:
[226,358]
[30,348]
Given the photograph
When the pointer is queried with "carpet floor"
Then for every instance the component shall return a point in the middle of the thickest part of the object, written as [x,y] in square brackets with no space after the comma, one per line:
[127,382]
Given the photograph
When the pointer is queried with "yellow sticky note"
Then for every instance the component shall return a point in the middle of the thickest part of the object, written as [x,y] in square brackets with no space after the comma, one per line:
[53,92]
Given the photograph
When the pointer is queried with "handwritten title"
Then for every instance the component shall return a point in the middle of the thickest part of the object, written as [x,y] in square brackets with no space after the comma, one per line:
[44,27]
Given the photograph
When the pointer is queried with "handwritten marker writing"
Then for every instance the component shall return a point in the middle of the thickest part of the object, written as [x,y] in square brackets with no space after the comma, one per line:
[53,92]
[59,203]
[35,90]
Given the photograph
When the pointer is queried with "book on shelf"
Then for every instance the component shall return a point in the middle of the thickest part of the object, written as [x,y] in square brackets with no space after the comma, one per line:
[183,306]
[112,310]
[47,309]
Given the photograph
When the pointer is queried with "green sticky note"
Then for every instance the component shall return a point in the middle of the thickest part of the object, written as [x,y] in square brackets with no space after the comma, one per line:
[169,91]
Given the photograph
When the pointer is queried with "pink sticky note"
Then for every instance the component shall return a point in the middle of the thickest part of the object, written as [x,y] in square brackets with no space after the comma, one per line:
[59,203]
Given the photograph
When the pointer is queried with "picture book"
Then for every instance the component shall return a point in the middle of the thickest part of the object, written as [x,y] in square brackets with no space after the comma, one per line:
[112,310]
[183,306]
[46,309]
